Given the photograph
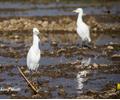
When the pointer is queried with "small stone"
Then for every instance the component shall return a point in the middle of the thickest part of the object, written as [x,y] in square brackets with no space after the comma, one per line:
[110,47]
[62,92]
[77,66]
[22,68]
[2,45]
[16,37]
[52,52]
[39,22]
[13,21]
[13,95]
[94,46]
[103,65]
[54,43]
[36,96]
[61,50]
[95,29]
[45,24]
[116,57]
[111,43]
[89,67]
[95,65]
[113,28]
[53,22]
[26,72]
[57,86]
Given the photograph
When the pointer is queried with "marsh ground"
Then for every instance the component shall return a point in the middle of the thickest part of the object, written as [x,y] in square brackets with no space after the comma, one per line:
[63,61]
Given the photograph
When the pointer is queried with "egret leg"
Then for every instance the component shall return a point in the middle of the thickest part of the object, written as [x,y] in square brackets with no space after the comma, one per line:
[79,43]
[86,44]
[31,75]
[36,71]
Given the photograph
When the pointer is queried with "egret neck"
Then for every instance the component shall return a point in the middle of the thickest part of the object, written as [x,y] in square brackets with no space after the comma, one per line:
[79,20]
[36,41]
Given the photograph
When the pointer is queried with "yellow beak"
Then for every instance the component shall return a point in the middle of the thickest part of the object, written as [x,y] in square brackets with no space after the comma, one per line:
[74,11]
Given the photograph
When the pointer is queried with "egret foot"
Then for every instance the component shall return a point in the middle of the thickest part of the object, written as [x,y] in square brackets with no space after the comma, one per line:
[89,46]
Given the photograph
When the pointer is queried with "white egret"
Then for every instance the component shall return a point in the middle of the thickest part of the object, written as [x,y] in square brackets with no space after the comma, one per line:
[34,54]
[82,28]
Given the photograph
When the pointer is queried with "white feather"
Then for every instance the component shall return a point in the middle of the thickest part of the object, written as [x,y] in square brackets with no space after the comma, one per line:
[82,28]
[33,56]
[83,32]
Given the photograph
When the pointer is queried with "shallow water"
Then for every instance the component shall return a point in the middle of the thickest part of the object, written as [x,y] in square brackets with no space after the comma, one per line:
[66,70]
[72,81]
[12,9]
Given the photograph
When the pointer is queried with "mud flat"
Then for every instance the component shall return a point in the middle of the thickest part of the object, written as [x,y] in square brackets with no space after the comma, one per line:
[66,70]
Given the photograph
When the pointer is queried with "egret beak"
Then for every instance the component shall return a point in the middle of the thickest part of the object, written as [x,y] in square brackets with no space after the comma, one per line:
[74,11]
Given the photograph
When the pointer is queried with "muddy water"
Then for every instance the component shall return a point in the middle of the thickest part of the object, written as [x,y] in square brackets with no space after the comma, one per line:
[12,9]
[66,70]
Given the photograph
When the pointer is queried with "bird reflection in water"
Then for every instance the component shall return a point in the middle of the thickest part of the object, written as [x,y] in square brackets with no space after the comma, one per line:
[82,75]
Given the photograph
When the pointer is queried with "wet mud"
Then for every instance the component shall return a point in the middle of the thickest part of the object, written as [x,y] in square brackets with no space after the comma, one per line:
[66,69]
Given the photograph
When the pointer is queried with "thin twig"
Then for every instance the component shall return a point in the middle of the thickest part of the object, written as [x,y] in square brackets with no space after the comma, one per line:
[32,87]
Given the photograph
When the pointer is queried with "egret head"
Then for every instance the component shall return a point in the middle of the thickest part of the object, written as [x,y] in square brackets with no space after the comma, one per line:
[35,31]
[79,10]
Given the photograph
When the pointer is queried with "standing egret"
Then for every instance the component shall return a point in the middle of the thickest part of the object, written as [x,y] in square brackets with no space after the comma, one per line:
[34,54]
[82,28]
